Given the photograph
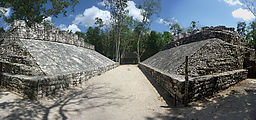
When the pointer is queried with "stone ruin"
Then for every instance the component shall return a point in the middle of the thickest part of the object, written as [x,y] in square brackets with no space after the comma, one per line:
[40,60]
[218,57]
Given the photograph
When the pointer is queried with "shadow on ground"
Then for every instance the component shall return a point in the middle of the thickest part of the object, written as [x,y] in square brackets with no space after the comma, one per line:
[237,105]
[70,102]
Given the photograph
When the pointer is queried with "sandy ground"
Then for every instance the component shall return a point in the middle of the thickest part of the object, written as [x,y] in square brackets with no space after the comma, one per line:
[125,93]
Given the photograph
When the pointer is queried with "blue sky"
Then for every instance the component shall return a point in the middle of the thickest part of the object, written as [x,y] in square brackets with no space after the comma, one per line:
[207,12]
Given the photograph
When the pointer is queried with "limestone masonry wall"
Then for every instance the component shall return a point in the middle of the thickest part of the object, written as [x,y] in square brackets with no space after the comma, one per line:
[199,87]
[16,59]
[170,84]
[204,86]
[215,57]
[36,87]
[19,29]
[221,32]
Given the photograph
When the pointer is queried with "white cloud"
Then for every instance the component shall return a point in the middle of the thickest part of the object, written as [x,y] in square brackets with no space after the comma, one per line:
[6,11]
[243,14]
[168,21]
[101,3]
[49,18]
[72,27]
[88,17]
[160,21]
[134,11]
[233,2]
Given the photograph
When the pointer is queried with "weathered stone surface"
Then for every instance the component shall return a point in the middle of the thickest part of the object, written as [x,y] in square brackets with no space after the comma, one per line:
[169,60]
[217,58]
[19,29]
[58,58]
[199,87]
[223,33]
[36,87]
[39,61]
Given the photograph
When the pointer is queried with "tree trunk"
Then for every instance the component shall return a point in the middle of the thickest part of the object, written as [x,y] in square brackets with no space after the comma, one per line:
[138,48]
[117,48]
[118,43]
[119,40]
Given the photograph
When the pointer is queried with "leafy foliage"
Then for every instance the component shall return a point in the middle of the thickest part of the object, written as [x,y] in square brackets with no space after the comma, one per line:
[248,32]
[2,30]
[35,11]
[152,44]
[118,15]
[251,35]
[150,8]
[175,29]
[241,28]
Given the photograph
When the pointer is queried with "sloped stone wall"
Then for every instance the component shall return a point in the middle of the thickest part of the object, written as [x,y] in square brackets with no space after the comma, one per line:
[216,56]
[168,61]
[57,58]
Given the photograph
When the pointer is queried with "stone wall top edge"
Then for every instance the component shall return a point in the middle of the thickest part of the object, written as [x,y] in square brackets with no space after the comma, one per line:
[207,77]
[180,78]
[19,29]
[206,32]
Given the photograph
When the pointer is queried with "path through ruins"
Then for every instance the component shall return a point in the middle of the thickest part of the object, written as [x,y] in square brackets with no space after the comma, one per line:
[124,93]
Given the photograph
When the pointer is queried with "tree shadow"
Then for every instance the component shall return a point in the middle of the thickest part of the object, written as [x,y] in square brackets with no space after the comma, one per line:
[236,105]
[61,104]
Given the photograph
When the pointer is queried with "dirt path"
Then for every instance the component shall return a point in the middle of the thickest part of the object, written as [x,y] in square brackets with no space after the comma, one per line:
[125,93]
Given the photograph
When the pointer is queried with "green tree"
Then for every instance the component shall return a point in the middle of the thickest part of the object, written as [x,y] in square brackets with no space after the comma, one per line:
[118,13]
[99,22]
[127,35]
[152,44]
[194,25]
[175,29]
[93,36]
[2,30]
[241,28]
[82,35]
[251,35]
[150,7]
[35,11]
[166,38]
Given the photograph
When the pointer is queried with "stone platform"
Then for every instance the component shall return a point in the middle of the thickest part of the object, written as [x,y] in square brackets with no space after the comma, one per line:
[38,61]
[215,62]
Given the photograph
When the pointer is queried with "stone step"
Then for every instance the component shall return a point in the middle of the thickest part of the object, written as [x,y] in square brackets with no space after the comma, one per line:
[17,59]
[16,68]
[21,84]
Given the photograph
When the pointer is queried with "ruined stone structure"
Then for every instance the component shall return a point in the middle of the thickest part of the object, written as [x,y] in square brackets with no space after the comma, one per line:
[38,61]
[217,58]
